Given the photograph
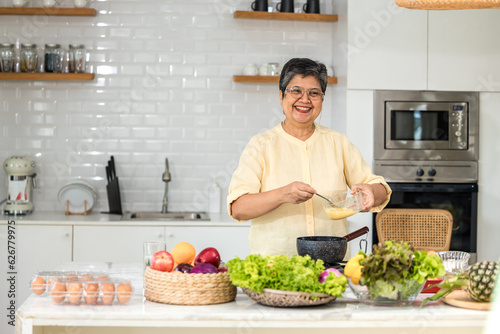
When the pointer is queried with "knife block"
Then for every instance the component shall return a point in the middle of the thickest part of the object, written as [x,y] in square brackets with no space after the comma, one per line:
[114,200]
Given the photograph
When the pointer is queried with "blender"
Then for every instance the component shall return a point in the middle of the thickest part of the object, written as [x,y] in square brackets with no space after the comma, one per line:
[20,181]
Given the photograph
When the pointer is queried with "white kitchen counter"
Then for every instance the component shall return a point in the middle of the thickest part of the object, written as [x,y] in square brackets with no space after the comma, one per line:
[97,218]
[342,315]
[345,315]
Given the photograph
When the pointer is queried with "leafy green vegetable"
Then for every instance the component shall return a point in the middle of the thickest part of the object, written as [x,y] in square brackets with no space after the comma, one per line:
[394,270]
[298,273]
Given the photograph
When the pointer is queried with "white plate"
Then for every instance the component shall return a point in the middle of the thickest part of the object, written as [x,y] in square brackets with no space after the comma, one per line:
[77,194]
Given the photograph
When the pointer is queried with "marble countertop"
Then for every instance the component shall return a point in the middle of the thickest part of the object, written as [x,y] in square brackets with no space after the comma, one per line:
[97,218]
[344,312]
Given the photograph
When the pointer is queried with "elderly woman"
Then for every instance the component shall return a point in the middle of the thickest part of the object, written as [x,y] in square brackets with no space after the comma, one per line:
[281,169]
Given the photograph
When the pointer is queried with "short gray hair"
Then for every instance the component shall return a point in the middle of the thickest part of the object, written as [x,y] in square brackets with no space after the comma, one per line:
[304,67]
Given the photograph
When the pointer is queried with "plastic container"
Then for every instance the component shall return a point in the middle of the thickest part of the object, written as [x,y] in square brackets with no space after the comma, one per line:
[75,288]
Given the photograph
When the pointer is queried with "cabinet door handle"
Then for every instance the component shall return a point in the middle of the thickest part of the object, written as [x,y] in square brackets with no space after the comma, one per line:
[160,236]
[66,235]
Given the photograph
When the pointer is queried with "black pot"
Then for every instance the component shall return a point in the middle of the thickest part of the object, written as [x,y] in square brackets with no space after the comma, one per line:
[329,249]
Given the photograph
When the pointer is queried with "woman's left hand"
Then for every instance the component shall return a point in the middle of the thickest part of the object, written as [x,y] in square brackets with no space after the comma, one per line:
[373,194]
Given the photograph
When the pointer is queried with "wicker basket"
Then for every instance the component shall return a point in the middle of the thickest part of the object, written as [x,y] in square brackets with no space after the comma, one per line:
[448,4]
[187,289]
[279,298]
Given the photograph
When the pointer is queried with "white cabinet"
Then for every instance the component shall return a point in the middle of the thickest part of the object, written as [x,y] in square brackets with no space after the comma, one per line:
[38,247]
[386,46]
[230,241]
[113,243]
[464,51]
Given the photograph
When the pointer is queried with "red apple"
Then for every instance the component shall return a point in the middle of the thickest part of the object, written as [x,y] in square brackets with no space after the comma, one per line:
[208,255]
[162,261]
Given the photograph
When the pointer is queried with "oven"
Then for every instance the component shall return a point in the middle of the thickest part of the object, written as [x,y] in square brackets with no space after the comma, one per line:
[426,147]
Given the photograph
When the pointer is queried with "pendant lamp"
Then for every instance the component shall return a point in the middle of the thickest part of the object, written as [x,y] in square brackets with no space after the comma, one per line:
[448,4]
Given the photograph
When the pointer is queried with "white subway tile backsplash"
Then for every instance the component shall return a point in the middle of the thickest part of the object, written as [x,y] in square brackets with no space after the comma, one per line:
[163,88]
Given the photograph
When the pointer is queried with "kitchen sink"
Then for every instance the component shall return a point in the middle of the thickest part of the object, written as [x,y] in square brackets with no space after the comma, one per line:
[185,215]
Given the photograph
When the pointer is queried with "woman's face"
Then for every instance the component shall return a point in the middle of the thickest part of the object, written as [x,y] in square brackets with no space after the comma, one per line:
[302,110]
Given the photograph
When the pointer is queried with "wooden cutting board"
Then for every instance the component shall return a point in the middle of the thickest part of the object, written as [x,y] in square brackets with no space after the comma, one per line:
[459,298]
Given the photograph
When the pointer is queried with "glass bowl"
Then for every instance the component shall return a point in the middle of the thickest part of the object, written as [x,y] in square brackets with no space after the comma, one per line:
[455,261]
[403,295]
[344,204]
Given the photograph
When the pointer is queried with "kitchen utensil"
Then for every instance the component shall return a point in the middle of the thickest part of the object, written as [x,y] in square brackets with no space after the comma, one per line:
[29,58]
[78,197]
[264,69]
[21,175]
[327,248]
[455,261]
[20,3]
[460,298]
[344,205]
[251,69]
[285,6]
[325,198]
[311,7]
[408,293]
[280,298]
[113,189]
[259,5]
[50,3]
[80,3]
[76,58]
[6,57]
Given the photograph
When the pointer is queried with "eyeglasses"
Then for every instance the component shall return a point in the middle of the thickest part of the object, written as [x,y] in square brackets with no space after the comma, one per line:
[297,92]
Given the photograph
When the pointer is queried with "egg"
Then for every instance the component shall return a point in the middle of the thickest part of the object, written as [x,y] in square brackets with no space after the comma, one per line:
[91,293]
[38,285]
[87,278]
[107,293]
[71,278]
[124,292]
[102,278]
[51,280]
[74,292]
[58,292]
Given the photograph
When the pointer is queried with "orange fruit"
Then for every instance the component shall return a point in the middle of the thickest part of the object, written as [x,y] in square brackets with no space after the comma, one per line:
[183,252]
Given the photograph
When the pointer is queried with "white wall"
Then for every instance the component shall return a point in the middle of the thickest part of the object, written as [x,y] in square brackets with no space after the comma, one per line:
[163,88]
[359,109]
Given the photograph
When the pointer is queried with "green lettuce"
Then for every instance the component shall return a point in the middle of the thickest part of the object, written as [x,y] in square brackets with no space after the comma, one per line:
[297,273]
[394,270]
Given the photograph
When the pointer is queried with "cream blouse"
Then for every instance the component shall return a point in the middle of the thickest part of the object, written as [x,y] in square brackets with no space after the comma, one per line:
[272,159]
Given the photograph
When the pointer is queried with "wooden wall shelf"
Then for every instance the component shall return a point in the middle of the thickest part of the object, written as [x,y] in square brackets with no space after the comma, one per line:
[265,78]
[285,16]
[48,11]
[48,76]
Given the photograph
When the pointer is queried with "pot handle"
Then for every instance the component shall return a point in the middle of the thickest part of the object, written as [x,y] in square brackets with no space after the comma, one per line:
[357,233]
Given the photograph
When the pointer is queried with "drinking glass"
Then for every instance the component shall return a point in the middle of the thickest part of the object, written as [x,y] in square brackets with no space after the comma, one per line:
[150,248]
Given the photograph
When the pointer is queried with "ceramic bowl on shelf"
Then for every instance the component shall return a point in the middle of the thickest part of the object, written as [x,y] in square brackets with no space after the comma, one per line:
[344,204]
[402,294]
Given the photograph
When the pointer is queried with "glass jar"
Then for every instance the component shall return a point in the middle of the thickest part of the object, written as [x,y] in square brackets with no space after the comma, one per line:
[6,57]
[53,58]
[76,58]
[29,58]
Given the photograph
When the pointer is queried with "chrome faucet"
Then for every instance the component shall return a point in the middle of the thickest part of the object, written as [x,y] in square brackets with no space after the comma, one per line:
[166,178]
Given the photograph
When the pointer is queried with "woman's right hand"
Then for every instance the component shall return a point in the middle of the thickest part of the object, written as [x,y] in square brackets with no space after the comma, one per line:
[297,192]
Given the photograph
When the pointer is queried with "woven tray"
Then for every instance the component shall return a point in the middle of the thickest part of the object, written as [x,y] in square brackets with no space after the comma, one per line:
[279,298]
[448,4]
[187,289]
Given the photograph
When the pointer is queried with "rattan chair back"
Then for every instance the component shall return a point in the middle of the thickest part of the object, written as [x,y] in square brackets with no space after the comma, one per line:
[424,229]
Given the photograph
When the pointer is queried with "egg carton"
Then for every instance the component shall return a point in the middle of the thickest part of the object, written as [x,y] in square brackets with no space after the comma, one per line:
[92,288]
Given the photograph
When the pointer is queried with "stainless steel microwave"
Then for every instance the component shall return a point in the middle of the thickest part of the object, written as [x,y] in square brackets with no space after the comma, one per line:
[426,125]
